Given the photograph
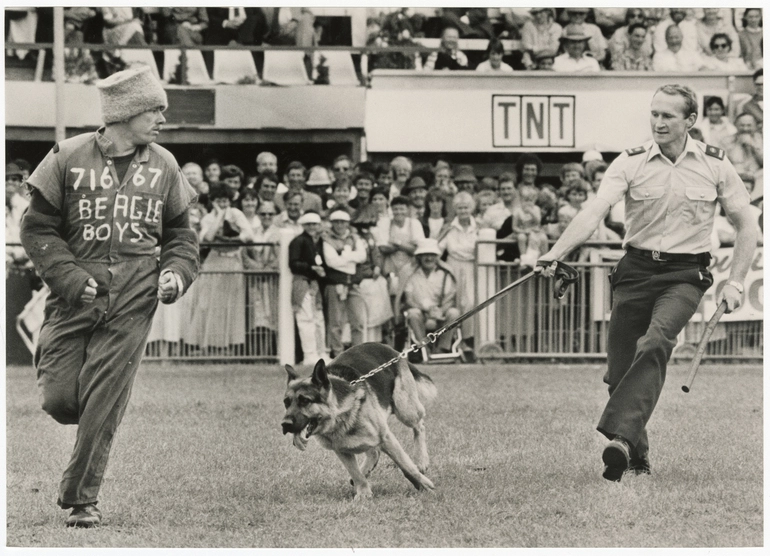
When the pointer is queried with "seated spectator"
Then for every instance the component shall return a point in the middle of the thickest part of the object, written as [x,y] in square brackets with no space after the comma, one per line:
[677,17]
[539,35]
[184,26]
[289,217]
[722,60]
[575,43]
[465,178]
[403,235]
[544,60]
[750,38]
[434,219]
[194,174]
[343,250]
[597,44]
[621,38]
[755,106]
[712,24]
[400,171]
[674,57]
[289,26]
[306,264]
[494,59]
[632,56]
[364,183]
[716,128]
[416,191]
[121,27]
[745,149]
[430,293]
[459,241]
[232,179]
[450,57]
[228,26]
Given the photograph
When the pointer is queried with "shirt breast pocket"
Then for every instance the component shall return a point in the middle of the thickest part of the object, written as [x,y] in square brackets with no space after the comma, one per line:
[643,200]
[698,204]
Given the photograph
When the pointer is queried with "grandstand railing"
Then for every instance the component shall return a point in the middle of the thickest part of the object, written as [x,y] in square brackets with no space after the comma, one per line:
[529,323]
[526,324]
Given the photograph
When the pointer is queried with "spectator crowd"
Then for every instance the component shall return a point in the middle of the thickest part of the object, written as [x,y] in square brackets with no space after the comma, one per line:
[377,245]
[560,39]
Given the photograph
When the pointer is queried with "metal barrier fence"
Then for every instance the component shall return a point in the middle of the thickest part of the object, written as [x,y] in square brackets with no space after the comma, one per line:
[529,323]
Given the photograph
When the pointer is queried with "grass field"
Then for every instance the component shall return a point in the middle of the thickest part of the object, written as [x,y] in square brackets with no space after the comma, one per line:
[200,461]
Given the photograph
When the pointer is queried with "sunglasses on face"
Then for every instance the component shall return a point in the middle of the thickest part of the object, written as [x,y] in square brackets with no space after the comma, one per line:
[266,213]
[340,169]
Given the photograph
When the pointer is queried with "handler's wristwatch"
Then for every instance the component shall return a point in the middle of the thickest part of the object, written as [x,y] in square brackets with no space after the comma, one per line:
[737,285]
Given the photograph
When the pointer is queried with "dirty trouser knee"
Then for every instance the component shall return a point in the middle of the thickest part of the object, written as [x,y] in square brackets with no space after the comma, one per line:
[652,305]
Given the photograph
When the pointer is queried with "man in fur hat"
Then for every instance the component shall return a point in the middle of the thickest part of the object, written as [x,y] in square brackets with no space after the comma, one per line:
[103,204]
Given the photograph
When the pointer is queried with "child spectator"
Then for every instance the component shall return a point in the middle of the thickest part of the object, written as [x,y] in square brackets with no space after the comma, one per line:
[577,193]
[570,171]
[526,224]
[485,200]
[494,59]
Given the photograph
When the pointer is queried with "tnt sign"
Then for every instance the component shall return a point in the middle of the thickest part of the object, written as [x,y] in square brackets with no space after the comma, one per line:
[533,121]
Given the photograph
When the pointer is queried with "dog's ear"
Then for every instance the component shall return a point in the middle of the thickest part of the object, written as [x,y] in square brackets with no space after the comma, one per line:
[291,372]
[320,376]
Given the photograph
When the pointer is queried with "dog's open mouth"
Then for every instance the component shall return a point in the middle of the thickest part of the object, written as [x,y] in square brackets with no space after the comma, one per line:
[301,437]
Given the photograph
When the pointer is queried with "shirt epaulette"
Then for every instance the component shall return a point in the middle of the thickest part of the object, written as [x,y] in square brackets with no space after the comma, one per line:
[715,152]
[637,150]
[56,148]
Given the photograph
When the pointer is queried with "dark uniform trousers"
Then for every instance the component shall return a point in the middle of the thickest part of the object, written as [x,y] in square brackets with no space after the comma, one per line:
[652,302]
[86,361]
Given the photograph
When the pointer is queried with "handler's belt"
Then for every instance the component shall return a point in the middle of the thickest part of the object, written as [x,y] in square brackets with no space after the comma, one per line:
[699,258]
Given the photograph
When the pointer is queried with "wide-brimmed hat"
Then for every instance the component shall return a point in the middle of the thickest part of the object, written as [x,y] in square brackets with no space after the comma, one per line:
[309,218]
[592,155]
[464,172]
[130,92]
[318,176]
[427,246]
[340,216]
[574,32]
[415,183]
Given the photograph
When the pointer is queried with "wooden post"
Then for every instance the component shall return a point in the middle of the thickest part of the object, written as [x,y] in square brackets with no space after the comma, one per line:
[58,71]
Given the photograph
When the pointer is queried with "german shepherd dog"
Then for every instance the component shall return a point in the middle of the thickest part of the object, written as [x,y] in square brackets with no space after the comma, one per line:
[353,420]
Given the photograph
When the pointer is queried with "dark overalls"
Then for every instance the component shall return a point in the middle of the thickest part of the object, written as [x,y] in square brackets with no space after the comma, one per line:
[88,354]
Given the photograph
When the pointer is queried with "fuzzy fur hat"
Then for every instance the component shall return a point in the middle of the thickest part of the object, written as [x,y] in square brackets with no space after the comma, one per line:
[128,93]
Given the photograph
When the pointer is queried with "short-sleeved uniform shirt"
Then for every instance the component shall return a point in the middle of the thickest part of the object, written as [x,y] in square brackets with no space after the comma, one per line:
[105,220]
[670,206]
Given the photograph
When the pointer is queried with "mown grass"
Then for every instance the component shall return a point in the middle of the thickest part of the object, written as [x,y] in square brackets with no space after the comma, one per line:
[200,461]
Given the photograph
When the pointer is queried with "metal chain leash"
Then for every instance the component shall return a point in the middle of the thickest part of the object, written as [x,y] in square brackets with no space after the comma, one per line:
[429,339]
[566,275]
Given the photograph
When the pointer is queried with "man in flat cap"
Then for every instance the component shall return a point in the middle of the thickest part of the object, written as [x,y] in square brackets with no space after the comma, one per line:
[107,230]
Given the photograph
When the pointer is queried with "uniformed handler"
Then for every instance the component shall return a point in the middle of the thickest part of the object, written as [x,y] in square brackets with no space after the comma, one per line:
[101,203]
[671,186]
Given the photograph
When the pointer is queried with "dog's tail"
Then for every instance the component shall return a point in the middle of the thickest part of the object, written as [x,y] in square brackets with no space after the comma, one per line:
[426,390]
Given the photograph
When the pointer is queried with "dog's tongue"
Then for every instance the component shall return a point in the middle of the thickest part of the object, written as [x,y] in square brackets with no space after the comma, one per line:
[299,442]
